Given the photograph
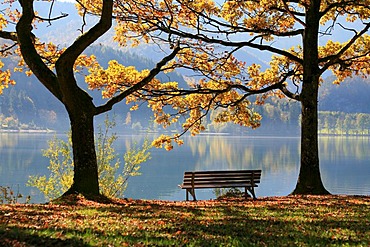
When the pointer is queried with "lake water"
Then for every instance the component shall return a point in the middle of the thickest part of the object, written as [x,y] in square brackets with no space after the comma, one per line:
[345,163]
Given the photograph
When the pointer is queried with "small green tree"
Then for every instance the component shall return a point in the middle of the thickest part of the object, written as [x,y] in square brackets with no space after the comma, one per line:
[9,196]
[60,167]
[112,176]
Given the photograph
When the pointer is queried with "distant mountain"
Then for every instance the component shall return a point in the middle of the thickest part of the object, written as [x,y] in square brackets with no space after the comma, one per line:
[30,102]
[351,96]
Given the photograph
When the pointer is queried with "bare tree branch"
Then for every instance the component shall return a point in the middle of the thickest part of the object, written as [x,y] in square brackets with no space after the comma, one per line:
[50,19]
[9,35]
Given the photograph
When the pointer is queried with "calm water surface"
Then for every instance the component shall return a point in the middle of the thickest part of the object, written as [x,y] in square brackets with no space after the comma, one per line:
[345,163]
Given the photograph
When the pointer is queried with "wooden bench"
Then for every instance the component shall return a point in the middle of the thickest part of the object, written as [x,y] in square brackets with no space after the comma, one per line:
[249,179]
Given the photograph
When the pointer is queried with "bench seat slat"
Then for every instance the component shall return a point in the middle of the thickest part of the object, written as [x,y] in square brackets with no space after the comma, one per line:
[224,171]
[220,182]
[245,183]
[203,186]
[222,175]
[222,178]
[249,176]
[233,180]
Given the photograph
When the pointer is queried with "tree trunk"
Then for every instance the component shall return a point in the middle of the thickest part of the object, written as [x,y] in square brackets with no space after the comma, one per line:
[309,179]
[81,111]
[64,87]
[85,179]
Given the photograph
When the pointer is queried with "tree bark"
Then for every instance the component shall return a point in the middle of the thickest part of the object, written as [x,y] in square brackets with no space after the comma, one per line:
[309,179]
[85,179]
[81,111]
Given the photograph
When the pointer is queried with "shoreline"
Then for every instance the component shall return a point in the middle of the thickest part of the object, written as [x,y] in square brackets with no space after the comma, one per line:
[27,131]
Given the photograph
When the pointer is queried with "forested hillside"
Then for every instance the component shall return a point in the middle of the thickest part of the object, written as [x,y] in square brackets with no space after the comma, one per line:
[350,96]
[29,105]
[342,107]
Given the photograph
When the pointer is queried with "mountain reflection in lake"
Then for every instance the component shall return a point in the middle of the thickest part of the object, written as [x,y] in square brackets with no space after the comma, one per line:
[345,165]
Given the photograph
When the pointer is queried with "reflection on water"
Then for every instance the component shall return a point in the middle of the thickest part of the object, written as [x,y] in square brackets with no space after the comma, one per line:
[277,157]
[344,163]
[346,168]
[20,156]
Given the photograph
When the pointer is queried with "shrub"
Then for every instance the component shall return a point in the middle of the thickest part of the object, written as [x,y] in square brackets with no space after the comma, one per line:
[8,196]
[112,176]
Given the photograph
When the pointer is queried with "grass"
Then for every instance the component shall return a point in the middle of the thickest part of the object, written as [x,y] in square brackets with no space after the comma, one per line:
[274,221]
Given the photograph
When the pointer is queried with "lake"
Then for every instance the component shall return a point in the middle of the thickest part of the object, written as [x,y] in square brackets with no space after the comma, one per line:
[344,161]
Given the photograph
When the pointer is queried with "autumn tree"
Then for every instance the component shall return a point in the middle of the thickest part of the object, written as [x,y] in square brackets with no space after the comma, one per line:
[55,67]
[215,34]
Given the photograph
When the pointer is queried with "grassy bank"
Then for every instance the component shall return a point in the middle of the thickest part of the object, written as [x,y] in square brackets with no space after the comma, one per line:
[276,221]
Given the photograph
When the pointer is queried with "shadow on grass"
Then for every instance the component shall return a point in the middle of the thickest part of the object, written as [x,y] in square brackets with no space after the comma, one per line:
[285,221]
[16,236]
[276,222]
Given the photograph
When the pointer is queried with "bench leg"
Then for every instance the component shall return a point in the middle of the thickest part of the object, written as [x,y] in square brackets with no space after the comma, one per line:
[251,190]
[192,193]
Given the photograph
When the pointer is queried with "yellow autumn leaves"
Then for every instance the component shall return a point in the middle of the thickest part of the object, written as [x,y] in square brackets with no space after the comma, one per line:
[258,15]
[5,78]
[114,79]
[353,62]
[137,20]
[169,102]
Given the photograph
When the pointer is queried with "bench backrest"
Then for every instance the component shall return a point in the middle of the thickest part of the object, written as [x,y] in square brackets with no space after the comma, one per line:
[228,178]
